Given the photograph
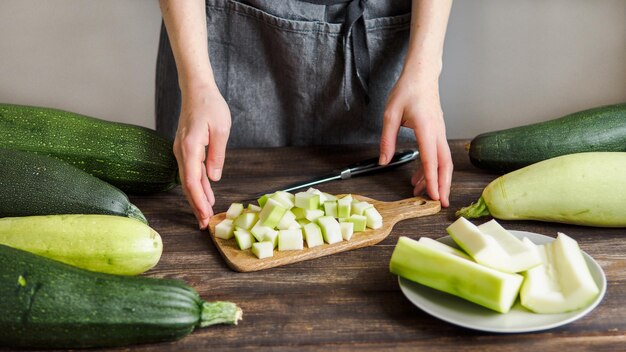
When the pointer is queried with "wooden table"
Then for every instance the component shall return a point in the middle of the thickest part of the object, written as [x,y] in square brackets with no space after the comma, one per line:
[350,300]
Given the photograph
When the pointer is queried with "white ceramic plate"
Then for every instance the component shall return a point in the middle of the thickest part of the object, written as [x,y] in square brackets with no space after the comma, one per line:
[519,319]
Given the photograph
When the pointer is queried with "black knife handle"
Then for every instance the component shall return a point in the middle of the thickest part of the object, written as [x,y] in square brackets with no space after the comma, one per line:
[371,165]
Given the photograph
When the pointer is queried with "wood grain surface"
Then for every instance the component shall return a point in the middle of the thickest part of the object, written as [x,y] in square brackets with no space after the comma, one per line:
[392,212]
[350,301]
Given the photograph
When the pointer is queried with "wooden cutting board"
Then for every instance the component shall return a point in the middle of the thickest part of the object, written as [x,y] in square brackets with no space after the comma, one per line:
[392,212]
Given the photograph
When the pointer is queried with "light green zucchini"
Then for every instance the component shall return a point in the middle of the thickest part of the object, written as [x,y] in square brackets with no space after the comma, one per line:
[104,243]
[583,188]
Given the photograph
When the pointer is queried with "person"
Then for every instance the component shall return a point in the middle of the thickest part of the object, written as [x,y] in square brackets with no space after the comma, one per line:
[253,73]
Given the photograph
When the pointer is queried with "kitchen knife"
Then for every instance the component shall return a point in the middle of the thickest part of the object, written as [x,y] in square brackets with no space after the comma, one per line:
[361,168]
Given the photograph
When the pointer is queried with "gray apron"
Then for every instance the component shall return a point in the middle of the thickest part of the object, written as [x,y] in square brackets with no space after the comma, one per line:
[286,75]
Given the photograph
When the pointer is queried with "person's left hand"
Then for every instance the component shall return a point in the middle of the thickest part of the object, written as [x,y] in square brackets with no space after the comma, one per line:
[415,104]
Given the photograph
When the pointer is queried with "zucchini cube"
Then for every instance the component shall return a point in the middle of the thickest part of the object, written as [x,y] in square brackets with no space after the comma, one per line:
[225,229]
[271,236]
[307,200]
[344,206]
[234,210]
[289,240]
[347,229]
[313,235]
[263,249]
[246,220]
[330,208]
[374,219]
[272,213]
[286,221]
[331,231]
[244,238]
[360,222]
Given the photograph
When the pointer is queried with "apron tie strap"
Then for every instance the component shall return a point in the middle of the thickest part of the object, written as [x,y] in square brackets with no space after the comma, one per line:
[355,32]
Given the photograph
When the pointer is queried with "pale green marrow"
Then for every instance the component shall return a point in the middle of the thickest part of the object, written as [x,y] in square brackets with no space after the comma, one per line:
[103,243]
[584,189]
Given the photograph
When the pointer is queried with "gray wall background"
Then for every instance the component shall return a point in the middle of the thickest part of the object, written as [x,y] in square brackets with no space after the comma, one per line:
[506,63]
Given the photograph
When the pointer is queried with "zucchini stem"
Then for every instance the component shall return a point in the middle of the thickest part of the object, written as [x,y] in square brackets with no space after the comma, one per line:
[219,313]
[474,210]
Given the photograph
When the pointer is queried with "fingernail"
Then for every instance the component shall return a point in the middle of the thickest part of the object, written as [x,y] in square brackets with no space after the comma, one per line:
[216,174]
[383,159]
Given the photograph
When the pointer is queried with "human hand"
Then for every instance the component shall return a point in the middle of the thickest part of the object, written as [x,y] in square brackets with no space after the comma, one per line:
[204,122]
[416,105]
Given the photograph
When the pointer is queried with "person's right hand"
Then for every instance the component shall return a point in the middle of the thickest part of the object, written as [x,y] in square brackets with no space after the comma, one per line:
[204,122]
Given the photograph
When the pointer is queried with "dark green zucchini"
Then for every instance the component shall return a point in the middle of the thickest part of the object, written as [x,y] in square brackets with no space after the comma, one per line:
[132,158]
[36,184]
[47,304]
[601,129]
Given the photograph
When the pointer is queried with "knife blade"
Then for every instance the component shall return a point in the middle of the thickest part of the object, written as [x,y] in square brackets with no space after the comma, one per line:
[360,168]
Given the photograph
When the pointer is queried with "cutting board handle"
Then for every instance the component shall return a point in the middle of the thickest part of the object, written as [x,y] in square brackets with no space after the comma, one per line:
[407,208]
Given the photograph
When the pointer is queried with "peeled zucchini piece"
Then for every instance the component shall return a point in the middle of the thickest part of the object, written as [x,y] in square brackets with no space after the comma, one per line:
[234,210]
[493,246]
[272,213]
[562,283]
[263,249]
[447,270]
[290,240]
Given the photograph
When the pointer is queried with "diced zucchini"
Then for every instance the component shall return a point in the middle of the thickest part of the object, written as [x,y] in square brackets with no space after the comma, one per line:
[286,221]
[360,221]
[224,229]
[359,208]
[313,235]
[244,238]
[451,273]
[307,200]
[246,220]
[327,197]
[562,283]
[374,219]
[287,195]
[271,236]
[284,198]
[295,225]
[330,229]
[234,210]
[344,206]
[254,208]
[259,231]
[263,200]
[313,215]
[330,208]
[347,229]
[303,222]
[298,212]
[493,246]
[263,249]
[272,213]
[289,240]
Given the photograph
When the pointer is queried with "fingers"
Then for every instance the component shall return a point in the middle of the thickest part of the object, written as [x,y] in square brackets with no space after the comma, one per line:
[445,172]
[418,182]
[218,135]
[428,155]
[190,156]
[391,126]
